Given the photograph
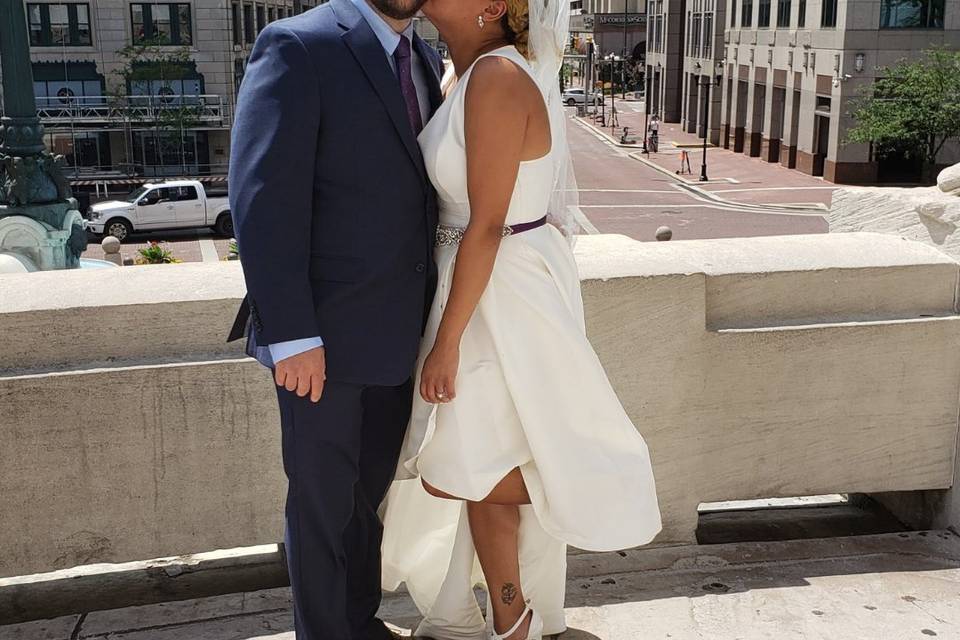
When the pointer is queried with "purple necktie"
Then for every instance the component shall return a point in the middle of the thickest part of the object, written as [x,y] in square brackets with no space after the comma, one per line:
[402,57]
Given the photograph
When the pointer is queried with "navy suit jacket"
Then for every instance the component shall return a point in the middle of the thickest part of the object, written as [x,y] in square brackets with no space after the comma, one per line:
[333,211]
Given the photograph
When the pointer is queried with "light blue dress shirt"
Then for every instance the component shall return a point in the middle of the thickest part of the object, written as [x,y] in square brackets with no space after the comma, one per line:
[390,40]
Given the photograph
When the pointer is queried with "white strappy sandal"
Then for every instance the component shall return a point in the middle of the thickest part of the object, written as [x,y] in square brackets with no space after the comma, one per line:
[535,632]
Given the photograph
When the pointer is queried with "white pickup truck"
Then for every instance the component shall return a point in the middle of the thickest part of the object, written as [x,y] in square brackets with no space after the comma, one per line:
[175,204]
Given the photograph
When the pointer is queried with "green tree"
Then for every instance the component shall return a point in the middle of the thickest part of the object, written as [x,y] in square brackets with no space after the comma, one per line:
[149,63]
[913,107]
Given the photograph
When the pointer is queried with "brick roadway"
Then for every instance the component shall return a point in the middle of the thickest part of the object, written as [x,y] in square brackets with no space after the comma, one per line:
[750,179]
[620,194]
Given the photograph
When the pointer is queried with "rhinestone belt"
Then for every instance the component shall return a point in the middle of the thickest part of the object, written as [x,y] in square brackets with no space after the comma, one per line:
[447,236]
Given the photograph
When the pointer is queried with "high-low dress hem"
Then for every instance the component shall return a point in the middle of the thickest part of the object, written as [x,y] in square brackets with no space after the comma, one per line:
[530,393]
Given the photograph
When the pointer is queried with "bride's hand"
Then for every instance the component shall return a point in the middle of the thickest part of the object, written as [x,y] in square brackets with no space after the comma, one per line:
[439,375]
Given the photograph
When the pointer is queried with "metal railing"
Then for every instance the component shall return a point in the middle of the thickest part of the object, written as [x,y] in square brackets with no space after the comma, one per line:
[206,109]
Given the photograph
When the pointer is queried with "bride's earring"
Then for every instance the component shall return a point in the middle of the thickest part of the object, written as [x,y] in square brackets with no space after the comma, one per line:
[481,22]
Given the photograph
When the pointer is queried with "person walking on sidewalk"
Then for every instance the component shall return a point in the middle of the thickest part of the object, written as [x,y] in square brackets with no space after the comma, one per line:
[654,133]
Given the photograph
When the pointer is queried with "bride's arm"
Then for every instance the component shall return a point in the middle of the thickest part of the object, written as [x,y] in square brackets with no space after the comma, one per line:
[495,123]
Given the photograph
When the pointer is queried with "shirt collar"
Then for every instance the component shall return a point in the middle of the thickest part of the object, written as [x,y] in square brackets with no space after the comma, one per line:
[389,39]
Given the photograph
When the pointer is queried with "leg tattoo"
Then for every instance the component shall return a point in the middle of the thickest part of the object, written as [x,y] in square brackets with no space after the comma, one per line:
[508,593]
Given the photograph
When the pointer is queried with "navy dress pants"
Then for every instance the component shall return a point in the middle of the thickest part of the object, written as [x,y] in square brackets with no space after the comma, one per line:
[339,455]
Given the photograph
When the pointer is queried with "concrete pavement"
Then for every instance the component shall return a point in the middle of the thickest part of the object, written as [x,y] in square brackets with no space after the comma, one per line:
[893,586]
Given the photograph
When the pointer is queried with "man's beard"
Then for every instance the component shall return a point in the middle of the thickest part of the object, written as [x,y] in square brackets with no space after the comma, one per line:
[398,9]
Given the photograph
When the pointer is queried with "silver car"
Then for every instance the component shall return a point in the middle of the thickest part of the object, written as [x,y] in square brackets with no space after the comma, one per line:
[572,97]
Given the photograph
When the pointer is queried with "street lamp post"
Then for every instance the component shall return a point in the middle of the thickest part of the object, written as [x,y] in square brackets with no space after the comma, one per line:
[646,108]
[707,83]
[623,66]
[588,89]
[32,185]
[611,58]
[706,121]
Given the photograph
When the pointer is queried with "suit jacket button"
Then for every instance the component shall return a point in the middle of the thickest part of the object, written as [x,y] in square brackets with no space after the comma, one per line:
[421,267]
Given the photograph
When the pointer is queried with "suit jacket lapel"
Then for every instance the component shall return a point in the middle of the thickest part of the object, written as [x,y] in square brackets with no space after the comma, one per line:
[368,51]
[427,57]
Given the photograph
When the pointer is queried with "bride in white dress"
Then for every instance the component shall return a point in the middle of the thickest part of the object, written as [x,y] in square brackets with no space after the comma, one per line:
[518,444]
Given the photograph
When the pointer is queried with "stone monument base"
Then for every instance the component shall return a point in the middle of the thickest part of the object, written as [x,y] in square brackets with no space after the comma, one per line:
[927,214]
[44,246]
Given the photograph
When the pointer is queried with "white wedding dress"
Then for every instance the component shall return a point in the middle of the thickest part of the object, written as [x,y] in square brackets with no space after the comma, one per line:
[531,393]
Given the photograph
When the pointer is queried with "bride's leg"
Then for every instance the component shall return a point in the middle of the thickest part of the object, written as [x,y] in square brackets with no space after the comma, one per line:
[511,490]
[495,530]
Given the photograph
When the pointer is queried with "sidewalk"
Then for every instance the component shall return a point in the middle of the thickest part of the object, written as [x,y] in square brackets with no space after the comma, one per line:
[739,177]
[890,586]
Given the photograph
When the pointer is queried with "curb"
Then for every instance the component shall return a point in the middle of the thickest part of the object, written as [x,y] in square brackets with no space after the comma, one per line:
[636,155]
[694,185]
[678,178]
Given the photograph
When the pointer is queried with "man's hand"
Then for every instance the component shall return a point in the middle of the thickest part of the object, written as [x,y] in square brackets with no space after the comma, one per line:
[303,373]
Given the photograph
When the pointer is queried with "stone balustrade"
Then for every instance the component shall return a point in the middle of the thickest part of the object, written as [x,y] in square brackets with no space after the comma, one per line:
[764,367]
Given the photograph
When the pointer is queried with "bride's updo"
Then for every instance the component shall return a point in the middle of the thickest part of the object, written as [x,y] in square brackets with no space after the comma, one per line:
[516,24]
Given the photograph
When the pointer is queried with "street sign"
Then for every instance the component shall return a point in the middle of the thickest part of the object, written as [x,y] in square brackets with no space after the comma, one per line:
[617,18]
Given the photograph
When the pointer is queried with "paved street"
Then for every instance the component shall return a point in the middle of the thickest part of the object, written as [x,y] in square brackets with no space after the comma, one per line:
[623,191]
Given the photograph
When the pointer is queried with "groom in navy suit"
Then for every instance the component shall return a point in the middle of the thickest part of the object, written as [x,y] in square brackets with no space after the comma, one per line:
[335,220]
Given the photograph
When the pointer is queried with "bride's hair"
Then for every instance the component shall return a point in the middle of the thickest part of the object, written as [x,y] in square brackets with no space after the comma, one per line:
[516,24]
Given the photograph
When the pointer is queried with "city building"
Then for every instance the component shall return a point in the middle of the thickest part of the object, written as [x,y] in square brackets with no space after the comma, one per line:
[132,90]
[702,71]
[617,27]
[788,70]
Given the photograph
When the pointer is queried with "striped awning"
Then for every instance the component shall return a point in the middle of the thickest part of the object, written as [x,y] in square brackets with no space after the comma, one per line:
[86,182]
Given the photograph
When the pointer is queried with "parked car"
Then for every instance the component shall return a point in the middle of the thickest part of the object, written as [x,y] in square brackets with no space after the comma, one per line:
[176,204]
[573,97]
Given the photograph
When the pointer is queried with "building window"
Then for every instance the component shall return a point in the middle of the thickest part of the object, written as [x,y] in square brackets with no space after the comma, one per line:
[911,14]
[161,23]
[249,35]
[59,25]
[828,13]
[696,34]
[783,14]
[237,32]
[708,35]
[802,14]
[261,18]
[746,13]
[271,14]
[733,13]
[763,14]
[57,84]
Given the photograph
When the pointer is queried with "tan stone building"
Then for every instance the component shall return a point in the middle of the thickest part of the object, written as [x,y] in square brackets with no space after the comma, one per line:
[789,69]
[111,126]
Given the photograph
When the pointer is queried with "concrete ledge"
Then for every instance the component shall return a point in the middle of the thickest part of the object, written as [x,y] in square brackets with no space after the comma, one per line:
[754,368]
[126,316]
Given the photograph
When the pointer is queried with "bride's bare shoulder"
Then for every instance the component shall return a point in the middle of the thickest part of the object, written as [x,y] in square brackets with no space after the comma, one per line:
[495,78]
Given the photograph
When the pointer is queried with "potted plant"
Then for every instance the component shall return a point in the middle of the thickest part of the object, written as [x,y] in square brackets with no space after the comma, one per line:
[155,254]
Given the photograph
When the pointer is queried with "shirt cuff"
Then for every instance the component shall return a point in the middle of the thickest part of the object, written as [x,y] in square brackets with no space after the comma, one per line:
[283,350]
